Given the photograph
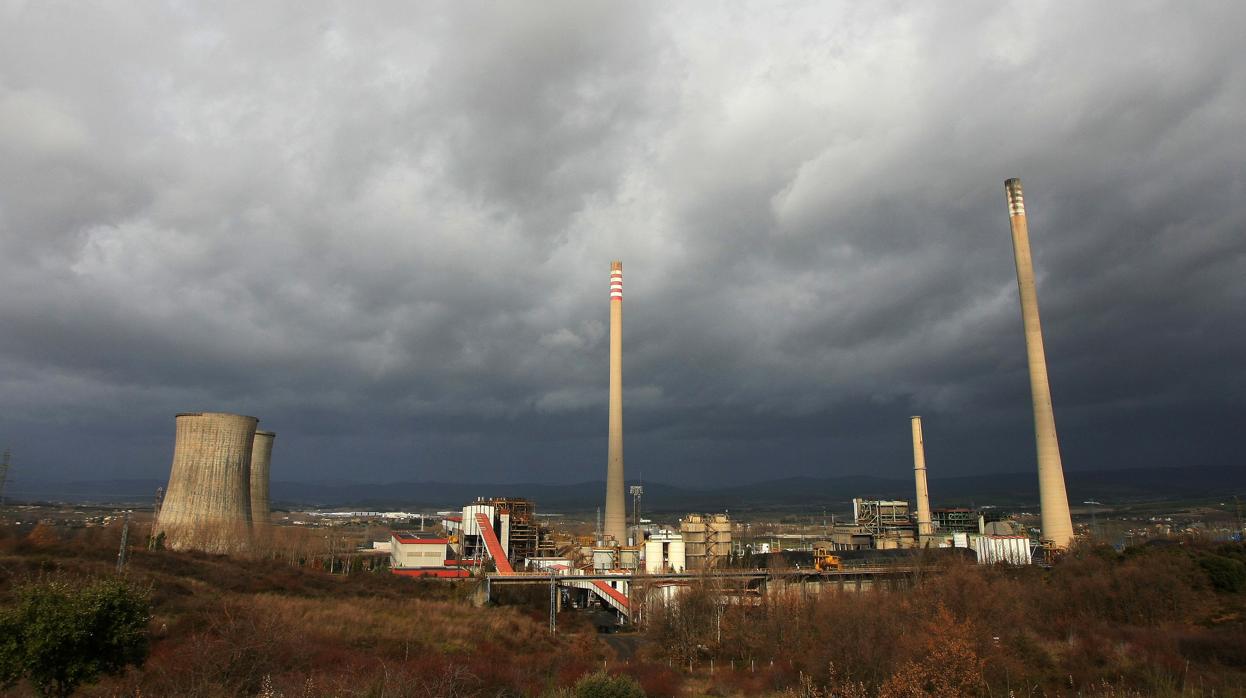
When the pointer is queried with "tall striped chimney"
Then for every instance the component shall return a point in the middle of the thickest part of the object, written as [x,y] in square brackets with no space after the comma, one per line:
[925,529]
[616,506]
[1057,525]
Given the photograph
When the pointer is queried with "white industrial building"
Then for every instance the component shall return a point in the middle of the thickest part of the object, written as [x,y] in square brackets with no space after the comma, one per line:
[1012,550]
[409,550]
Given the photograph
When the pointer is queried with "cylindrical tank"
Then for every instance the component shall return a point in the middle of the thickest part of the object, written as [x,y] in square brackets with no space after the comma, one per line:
[675,555]
[208,503]
[261,457]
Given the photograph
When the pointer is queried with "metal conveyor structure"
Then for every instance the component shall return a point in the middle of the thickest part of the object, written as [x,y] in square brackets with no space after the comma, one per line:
[609,595]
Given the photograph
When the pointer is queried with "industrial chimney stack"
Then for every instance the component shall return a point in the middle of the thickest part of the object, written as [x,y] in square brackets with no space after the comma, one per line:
[208,504]
[924,528]
[616,508]
[1056,523]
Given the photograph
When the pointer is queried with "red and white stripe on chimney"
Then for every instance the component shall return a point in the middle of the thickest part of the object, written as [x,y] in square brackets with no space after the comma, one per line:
[616,283]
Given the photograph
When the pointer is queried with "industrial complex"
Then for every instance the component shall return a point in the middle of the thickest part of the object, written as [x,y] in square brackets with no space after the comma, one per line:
[217,501]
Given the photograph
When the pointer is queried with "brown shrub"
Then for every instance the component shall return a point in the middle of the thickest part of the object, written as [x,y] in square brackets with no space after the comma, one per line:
[948,667]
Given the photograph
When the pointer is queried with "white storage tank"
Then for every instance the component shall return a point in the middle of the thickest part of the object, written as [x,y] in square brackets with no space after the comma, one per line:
[664,552]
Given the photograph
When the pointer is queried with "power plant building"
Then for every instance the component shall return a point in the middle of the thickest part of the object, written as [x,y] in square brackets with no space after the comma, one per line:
[208,502]
[1057,524]
[706,540]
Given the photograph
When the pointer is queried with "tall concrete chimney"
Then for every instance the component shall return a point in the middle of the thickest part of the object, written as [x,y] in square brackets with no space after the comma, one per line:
[1056,523]
[616,508]
[261,456]
[208,504]
[925,529]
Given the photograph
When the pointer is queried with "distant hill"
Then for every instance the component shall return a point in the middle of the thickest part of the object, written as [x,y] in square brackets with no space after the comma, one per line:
[799,493]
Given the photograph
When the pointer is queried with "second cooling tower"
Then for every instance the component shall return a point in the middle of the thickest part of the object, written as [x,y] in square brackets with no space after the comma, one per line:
[208,504]
[261,457]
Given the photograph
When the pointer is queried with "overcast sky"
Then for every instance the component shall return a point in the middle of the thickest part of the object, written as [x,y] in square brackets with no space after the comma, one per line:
[386,229]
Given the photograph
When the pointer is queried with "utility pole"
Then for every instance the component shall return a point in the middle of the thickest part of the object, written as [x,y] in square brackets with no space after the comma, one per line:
[1237,504]
[125,539]
[553,603]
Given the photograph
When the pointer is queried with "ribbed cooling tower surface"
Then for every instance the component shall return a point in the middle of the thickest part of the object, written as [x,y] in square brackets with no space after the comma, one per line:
[208,503]
[261,456]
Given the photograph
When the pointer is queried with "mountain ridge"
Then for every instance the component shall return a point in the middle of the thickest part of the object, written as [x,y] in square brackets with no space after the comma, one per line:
[807,492]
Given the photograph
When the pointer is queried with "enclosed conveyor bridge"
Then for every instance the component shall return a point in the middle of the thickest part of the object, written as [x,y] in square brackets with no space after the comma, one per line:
[609,595]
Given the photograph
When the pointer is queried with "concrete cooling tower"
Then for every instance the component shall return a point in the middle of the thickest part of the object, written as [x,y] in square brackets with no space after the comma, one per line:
[208,503]
[261,455]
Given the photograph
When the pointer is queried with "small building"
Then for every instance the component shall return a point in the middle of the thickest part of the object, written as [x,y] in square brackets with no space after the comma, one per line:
[420,554]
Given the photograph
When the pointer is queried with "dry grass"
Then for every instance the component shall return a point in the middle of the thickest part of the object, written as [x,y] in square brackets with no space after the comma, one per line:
[225,626]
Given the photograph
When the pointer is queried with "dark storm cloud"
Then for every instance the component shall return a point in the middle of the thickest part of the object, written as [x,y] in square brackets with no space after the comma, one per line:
[385,231]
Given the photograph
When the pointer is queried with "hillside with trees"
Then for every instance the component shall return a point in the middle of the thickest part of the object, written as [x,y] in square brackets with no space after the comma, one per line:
[1157,620]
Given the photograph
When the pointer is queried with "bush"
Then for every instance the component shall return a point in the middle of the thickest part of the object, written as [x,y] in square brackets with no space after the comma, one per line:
[62,635]
[1224,573]
[603,685]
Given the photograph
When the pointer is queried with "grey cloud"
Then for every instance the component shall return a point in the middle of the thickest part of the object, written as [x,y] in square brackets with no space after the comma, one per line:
[385,230]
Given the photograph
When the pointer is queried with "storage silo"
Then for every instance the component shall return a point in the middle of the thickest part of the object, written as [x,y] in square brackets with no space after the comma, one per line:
[261,456]
[208,502]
